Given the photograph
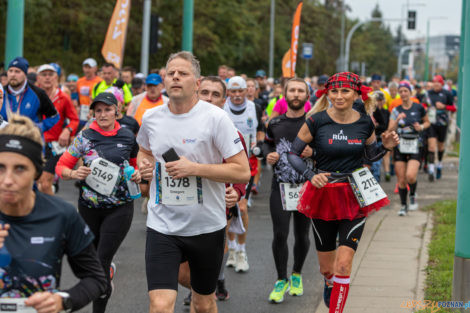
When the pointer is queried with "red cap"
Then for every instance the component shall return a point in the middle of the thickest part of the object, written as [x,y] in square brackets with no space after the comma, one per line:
[438,79]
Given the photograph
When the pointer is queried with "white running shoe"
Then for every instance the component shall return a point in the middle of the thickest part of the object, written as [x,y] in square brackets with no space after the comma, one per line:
[413,204]
[403,211]
[231,259]
[242,262]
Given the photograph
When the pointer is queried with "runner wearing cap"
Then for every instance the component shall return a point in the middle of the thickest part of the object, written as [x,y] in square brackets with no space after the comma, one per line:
[105,203]
[25,99]
[110,75]
[58,137]
[190,226]
[263,94]
[409,120]
[138,87]
[151,98]
[286,183]
[85,86]
[439,102]
[341,138]
[38,230]
[247,119]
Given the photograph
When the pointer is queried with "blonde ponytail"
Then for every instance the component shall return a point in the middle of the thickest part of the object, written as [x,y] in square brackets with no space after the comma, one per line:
[370,104]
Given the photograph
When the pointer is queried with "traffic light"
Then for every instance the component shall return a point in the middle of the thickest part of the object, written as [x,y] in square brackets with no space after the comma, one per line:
[155,33]
[411,20]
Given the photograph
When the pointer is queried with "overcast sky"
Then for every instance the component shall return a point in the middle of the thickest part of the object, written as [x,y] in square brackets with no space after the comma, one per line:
[450,9]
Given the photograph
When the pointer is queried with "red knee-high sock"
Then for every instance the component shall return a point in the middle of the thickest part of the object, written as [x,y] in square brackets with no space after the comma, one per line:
[339,294]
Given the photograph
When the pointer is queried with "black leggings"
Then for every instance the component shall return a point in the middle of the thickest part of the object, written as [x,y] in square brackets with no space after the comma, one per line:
[110,227]
[281,223]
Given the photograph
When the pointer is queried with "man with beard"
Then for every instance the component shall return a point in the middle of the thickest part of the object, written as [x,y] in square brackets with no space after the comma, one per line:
[285,188]
[247,119]
[25,99]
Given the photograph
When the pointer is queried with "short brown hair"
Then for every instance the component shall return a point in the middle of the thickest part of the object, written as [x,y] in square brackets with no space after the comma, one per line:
[188,56]
[296,79]
[215,79]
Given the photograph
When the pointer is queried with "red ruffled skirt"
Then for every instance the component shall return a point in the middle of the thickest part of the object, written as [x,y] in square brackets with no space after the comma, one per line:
[333,202]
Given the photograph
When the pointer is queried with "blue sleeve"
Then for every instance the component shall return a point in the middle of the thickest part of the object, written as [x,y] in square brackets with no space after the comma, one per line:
[49,122]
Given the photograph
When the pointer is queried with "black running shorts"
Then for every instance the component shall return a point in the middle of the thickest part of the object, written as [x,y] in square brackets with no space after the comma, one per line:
[326,232]
[405,157]
[437,131]
[164,253]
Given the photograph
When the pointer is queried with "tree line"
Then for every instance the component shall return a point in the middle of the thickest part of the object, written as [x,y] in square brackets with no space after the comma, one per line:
[231,32]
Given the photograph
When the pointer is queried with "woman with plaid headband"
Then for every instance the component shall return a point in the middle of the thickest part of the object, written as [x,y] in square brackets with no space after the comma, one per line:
[342,137]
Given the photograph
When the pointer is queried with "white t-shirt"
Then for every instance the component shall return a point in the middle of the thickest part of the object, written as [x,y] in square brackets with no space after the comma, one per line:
[204,135]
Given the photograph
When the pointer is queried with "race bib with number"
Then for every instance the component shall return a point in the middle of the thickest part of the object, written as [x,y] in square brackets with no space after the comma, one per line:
[290,196]
[365,187]
[85,91]
[184,191]
[57,149]
[432,114]
[84,110]
[103,177]
[409,146]
[15,305]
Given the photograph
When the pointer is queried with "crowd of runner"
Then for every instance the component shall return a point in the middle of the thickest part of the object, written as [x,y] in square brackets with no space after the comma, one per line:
[194,147]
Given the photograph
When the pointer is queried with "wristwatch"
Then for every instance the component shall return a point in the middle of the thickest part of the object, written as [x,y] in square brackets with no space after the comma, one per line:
[66,301]
[70,129]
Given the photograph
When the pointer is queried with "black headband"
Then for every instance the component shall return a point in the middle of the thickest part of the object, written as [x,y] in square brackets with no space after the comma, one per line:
[25,146]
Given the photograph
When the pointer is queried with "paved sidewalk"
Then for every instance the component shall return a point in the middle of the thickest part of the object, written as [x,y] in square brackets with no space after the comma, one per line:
[388,268]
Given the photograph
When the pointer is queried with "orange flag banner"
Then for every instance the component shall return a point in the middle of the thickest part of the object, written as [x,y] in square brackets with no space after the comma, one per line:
[286,64]
[115,41]
[295,39]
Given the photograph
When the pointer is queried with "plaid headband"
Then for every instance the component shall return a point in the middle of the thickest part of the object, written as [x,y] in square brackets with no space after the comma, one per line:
[345,80]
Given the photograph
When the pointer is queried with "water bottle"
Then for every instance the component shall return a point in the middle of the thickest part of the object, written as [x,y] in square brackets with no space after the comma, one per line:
[134,189]
[5,257]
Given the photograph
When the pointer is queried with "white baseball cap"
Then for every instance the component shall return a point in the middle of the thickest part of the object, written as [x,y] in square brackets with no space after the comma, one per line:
[236,82]
[46,67]
[90,62]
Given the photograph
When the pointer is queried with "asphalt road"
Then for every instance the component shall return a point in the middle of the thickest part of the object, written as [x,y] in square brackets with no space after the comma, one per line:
[248,292]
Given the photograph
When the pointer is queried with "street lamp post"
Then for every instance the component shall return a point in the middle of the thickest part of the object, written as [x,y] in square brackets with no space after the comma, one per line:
[426,62]
[271,40]
[348,39]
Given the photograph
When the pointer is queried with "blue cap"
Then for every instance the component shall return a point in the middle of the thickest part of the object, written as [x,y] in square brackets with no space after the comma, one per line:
[376,77]
[20,63]
[57,68]
[260,73]
[72,78]
[322,80]
[153,79]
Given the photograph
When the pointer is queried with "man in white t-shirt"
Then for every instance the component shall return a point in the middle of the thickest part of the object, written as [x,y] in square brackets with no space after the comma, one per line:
[186,211]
